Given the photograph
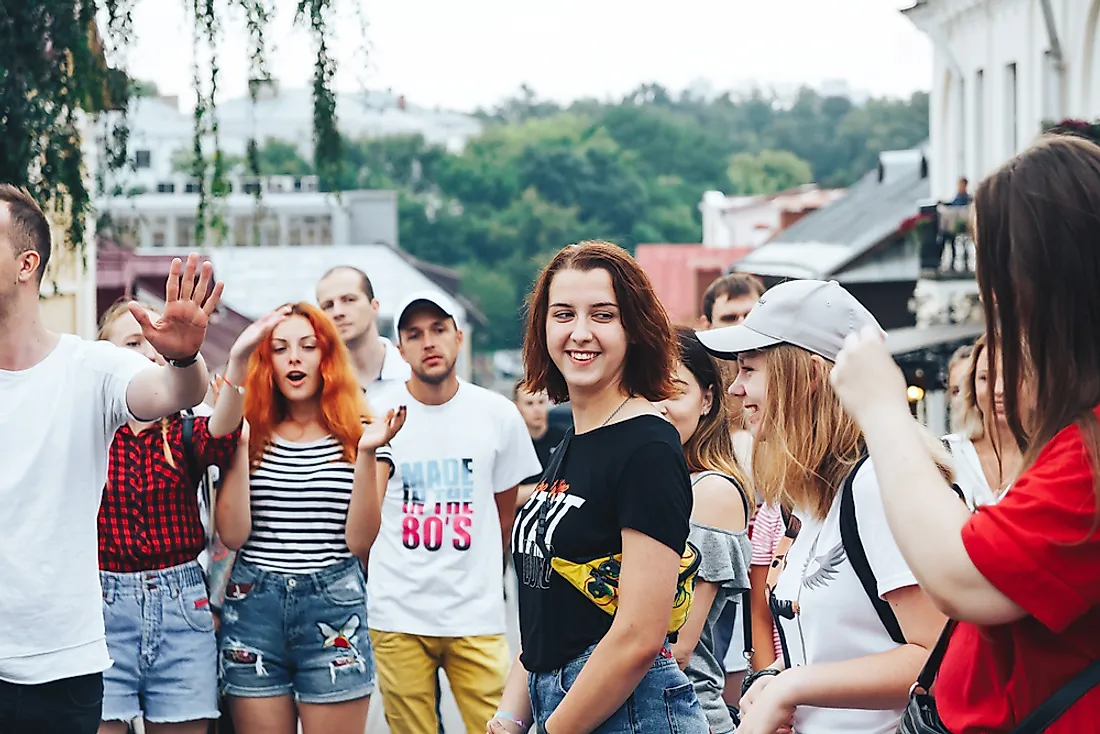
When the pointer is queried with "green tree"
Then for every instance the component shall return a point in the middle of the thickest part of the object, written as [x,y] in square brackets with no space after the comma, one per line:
[65,49]
[767,172]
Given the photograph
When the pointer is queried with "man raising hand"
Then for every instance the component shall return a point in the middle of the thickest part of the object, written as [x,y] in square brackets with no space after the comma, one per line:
[61,400]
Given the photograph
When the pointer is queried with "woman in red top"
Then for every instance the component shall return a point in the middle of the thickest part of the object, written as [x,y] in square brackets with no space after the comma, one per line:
[1022,576]
[160,632]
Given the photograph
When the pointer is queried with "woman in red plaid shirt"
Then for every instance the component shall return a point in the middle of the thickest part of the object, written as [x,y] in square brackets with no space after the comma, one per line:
[160,632]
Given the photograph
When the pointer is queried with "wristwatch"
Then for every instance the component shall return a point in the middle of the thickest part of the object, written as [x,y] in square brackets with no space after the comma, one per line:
[184,362]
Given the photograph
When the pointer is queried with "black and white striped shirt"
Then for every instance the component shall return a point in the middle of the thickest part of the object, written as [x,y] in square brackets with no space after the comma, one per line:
[300,495]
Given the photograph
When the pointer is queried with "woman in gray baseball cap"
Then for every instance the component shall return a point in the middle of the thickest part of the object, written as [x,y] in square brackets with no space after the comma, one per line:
[855,626]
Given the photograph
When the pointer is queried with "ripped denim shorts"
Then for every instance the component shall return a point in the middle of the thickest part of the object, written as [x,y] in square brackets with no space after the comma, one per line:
[303,635]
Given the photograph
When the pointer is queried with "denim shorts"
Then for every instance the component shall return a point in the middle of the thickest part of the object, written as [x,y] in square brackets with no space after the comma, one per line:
[302,635]
[160,635]
[664,701]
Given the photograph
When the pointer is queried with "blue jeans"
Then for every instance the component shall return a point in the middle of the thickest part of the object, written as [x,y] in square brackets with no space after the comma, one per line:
[663,702]
[303,635]
[160,635]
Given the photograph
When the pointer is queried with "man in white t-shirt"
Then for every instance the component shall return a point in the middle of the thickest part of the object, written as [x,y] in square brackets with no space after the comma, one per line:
[436,570]
[346,294]
[61,401]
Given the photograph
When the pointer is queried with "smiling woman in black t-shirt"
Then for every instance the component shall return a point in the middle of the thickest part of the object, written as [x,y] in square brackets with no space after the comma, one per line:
[597,547]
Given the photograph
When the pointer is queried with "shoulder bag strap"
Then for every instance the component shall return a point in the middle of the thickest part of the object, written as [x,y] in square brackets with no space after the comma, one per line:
[1051,709]
[931,667]
[853,546]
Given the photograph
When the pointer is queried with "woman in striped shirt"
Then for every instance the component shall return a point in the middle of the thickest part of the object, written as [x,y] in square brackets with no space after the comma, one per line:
[302,503]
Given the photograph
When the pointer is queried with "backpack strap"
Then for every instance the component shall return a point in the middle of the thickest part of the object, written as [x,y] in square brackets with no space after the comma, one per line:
[206,487]
[853,546]
[1052,709]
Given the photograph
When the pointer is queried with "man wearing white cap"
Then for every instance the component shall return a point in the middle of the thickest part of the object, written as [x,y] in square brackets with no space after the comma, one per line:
[435,572]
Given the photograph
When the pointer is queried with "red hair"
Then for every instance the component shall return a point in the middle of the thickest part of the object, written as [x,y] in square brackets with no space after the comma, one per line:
[343,408]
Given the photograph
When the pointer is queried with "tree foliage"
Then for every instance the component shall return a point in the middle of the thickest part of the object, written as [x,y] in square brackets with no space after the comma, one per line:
[541,176]
[60,62]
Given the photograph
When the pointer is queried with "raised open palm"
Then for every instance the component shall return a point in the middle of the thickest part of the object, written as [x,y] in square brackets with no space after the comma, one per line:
[380,432]
[181,329]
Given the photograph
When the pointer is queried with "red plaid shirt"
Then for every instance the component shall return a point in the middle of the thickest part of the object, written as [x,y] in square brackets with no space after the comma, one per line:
[149,516]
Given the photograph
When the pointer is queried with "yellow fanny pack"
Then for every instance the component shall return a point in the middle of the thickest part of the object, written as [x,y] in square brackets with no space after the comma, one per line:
[598,580]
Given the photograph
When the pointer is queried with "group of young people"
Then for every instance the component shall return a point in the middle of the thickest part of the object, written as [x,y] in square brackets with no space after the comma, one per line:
[370,505]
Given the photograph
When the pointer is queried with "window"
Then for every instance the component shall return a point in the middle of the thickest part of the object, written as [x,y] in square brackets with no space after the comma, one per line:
[979,124]
[166,188]
[1011,123]
[143,159]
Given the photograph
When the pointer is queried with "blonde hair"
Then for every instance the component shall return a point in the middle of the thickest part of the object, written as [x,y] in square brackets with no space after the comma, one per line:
[971,419]
[808,444]
[117,310]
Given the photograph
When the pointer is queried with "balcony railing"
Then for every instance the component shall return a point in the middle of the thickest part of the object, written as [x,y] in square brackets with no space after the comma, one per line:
[946,245]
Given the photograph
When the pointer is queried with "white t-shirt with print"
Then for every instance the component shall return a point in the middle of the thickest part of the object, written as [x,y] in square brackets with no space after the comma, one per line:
[836,621]
[57,420]
[436,568]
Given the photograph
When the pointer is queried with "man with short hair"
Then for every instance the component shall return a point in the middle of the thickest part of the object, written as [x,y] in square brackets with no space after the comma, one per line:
[435,581]
[535,409]
[345,293]
[61,400]
[728,300]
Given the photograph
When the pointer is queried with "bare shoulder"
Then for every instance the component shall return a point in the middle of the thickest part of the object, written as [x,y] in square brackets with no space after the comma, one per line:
[718,503]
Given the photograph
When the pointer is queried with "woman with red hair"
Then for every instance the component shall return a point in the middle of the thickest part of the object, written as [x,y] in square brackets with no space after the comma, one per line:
[301,501]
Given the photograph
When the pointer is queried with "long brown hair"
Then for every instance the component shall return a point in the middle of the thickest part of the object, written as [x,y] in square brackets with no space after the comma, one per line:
[106,321]
[710,448]
[808,444]
[1038,243]
[651,351]
[972,420]
[343,407]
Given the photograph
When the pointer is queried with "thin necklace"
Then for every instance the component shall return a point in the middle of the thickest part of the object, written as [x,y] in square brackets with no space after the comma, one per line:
[621,406]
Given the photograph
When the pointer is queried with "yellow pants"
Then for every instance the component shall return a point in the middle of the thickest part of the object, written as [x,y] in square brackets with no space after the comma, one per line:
[408,669]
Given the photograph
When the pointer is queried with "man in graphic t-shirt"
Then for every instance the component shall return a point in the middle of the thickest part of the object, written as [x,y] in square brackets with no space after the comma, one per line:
[346,294]
[535,409]
[61,401]
[435,576]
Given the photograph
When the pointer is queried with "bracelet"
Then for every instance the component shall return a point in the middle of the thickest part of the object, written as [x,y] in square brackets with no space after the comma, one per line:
[187,362]
[511,717]
[238,388]
[755,676]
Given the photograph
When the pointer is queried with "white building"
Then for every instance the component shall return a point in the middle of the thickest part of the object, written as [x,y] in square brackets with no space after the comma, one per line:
[750,221]
[291,213]
[1002,67]
[159,130]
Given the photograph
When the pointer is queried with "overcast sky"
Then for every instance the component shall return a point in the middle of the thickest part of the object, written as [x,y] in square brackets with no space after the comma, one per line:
[462,55]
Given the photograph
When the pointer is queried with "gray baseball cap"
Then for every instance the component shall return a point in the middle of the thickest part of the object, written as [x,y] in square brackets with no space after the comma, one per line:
[813,314]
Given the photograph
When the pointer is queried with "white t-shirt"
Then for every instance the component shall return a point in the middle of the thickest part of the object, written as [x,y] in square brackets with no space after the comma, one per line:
[837,621]
[57,420]
[969,474]
[436,568]
[395,370]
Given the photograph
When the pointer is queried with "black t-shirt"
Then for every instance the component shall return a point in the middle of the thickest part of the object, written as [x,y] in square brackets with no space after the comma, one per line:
[626,475]
[544,448]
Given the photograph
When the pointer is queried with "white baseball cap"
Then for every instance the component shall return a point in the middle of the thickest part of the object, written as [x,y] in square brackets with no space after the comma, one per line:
[815,315]
[434,298]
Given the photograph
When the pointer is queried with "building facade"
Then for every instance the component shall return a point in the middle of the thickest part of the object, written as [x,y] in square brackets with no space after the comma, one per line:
[1002,67]
[291,213]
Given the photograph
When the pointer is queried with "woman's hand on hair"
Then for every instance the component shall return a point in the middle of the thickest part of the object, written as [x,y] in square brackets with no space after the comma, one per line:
[866,378]
[378,433]
[255,333]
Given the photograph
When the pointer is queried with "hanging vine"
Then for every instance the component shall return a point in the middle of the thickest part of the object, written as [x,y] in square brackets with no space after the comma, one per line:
[58,85]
